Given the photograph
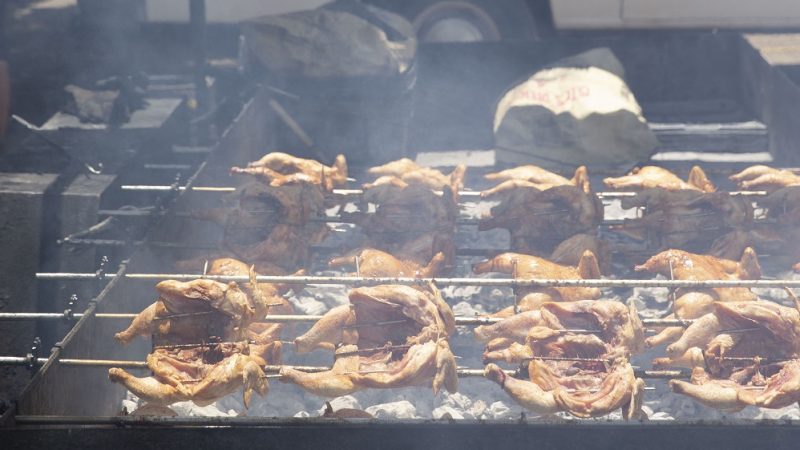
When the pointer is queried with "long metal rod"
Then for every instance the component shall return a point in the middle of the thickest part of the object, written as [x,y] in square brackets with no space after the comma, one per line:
[303,318]
[271,368]
[357,192]
[488,282]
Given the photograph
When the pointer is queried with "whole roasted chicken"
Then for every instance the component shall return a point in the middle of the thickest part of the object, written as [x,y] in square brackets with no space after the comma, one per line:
[411,222]
[388,336]
[404,172]
[688,219]
[202,375]
[528,267]
[765,178]
[199,310]
[692,303]
[267,223]
[535,177]
[514,339]
[538,220]
[653,177]
[281,169]
[578,355]
[742,354]
[370,262]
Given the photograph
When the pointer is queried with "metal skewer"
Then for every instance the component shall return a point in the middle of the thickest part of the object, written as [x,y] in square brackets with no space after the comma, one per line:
[358,192]
[274,369]
[488,282]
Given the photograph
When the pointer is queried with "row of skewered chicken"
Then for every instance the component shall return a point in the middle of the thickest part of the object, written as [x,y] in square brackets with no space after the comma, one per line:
[576,347]
[393,336]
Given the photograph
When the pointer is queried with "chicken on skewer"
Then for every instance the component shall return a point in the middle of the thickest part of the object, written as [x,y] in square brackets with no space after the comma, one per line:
[535,177]
[389,336]
[267,223]
[693,303]
[538,220]
[281,169]
[376,263]
[743,354]
[404,172]
[765,178]
[610,321]
[528,267]
[653,177]
[687,219]
[197,310]
[583,389]
[410,222]
[776,235]
[202,375]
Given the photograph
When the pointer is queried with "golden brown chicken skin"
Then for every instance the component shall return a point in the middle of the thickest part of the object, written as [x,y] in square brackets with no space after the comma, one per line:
[653,177]
[281,169]
[202,375]
[528,267]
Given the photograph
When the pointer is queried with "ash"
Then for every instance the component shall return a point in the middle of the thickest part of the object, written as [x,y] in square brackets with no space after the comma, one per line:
[477,398]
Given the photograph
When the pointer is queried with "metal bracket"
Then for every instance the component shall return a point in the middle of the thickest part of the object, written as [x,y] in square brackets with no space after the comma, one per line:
[100,274]
[69,313]
[33,355]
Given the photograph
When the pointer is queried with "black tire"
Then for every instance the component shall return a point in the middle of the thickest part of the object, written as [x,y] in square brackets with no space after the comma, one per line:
[494,20]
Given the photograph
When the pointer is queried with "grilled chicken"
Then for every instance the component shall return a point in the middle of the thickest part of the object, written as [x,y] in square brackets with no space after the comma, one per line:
[765,178]
[196,310]
[612,322]
[692,303]
[736,329]
[265,223]
[431,363]
[389,336]
[742,354]
[202,375]
[260,333]
[411,223]
[536,219]
[528,267]
[652,177]
[583,389]
[376,263]
[281,169]
[404,172]
[535,177]
[380,315]
[685,218]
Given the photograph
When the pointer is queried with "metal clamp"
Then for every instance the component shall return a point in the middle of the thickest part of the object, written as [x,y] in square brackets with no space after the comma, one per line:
[100,273]
[33,356]
[69,313]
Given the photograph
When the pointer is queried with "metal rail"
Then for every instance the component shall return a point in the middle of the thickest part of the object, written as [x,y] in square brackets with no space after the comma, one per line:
[486,282]
[303,318]
[274,369]
[357,192]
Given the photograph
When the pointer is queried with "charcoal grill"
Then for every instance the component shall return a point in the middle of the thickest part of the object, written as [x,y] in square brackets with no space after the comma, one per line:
[69,401]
